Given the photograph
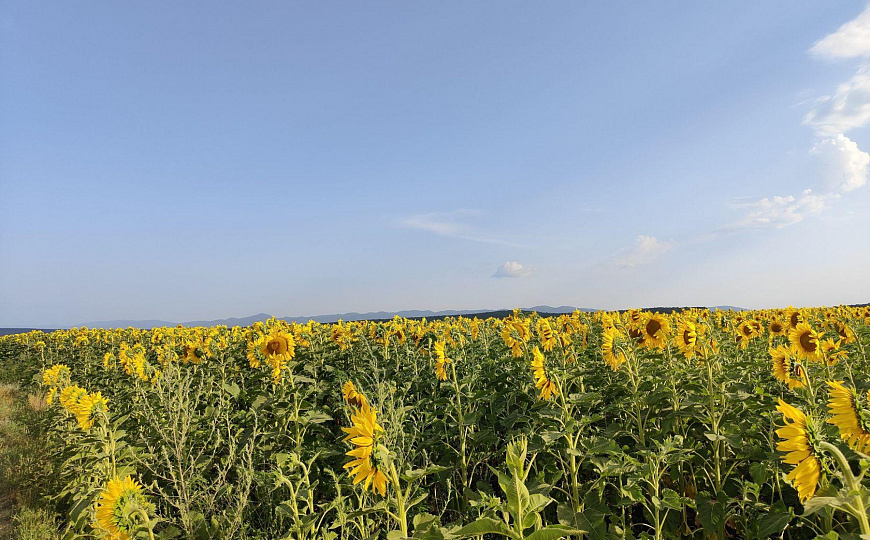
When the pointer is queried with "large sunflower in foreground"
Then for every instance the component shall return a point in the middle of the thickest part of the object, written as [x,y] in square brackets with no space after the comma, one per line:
[655,330]
[120,502]
[542,380]
[805,341]
[364,436]
[797,442]
[848,416]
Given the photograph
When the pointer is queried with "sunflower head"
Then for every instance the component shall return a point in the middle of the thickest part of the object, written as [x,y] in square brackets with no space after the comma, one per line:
[352,396]
[686,338]
[799,445]
[543,382]
[655,331]
[850,417]
[611,341]
[805,341]
[776,327]
[121,509]
[785,369]
[367,456]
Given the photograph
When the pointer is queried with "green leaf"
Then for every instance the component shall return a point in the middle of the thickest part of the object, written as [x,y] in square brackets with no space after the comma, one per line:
[552,532]
[775,521]
[486,526]
[711,513]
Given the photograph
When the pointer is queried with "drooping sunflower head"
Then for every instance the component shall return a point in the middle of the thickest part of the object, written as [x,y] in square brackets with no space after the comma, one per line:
[365,435]
[88,408]
[120,508]
[847,335]
[798,443]
[785,369]
[546,334]
[611,340]
[805,341]
[794,317]
[352,396]
[441,360]
[849,416]
[543,382]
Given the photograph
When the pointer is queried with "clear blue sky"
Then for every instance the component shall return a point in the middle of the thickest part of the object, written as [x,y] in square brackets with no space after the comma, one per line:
[198,160]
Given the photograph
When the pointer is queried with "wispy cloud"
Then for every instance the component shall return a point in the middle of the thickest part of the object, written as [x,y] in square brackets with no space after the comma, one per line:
[846,109]
[778,211]
[646,249]
[849,41]
[453,224]
[843,167]
[512,270]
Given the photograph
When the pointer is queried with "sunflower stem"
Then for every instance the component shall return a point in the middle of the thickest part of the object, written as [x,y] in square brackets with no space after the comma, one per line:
[859,510]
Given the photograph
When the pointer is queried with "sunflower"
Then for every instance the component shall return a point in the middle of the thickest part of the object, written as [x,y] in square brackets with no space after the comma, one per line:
[849,417]
[192,353]
[655,331]
[352,396]
[832,351]
[441,361]
[364,436]
[782,367]
[798,443]
[88,407]
[542,381]
[686,338]
[546,334]
[776,327]
[609,338]
[794,317]
[71,395]
[804,341]
[277,347]
[847,335]
[120,505]
[55,377]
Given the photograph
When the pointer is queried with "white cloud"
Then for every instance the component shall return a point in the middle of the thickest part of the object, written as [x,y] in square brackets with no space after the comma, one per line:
[646,250]
[453,225]
[512,270]
[849,41]
[778,212]
[847,109]
[440,223]
[845,166]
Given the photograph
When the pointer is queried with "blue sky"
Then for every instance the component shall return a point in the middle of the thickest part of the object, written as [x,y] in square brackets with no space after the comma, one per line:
[202,160]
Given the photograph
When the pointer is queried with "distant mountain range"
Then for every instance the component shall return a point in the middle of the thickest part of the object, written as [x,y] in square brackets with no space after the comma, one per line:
[354,316]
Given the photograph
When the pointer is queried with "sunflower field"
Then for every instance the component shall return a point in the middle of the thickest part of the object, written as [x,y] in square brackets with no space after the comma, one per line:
[638,424]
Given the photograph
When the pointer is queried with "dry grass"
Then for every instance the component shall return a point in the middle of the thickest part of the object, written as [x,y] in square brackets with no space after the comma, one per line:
[22,456]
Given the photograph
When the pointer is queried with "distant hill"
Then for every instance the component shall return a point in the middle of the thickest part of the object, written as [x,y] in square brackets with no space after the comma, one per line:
[7,331]
[352,316]
[331,318]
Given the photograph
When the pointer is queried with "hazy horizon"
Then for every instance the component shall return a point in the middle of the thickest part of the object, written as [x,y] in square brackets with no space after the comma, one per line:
[199,161]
